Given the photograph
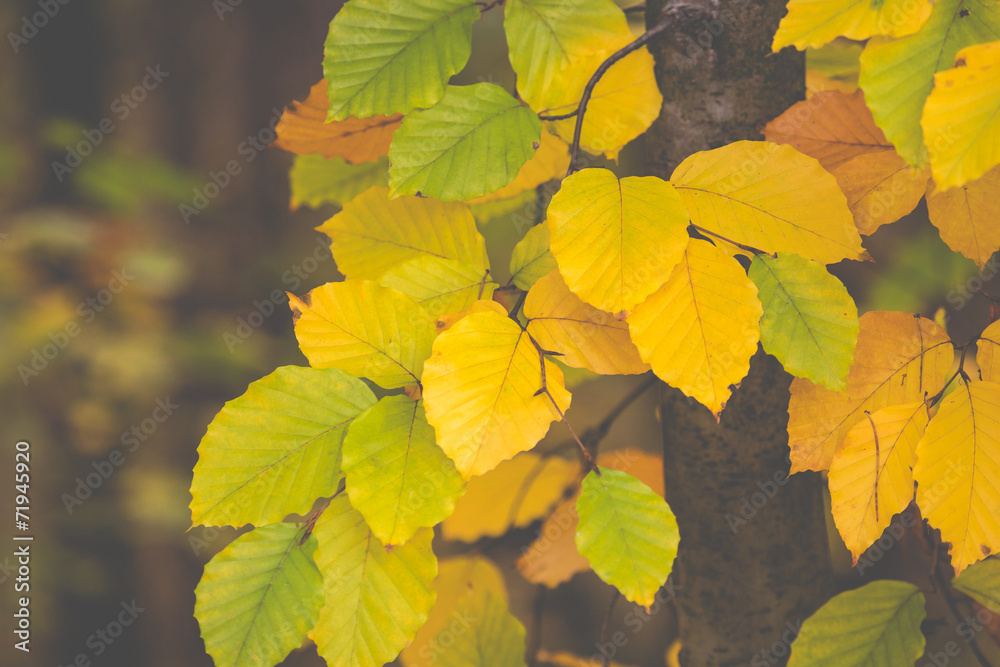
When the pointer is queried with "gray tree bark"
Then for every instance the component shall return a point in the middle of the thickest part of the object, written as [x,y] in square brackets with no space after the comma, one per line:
[753,561]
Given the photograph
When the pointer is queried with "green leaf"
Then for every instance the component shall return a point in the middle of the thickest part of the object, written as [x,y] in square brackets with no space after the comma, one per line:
[627,532]
[377,597]
[397,476]
[386,56]
[441,286]
[276,449]
[877,625]
[810,322]
[496,638]
[259,597]
[316,180]
[374,233]
[471,143]
[981,582]
[544,36]
[897,75]
[365,329]
[531,258]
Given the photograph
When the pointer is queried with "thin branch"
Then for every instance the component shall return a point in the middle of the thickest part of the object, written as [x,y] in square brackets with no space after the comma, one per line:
[487,6]
[605,626]
[562,415]
[561,116]
[961,371]
[581,110]
[641,7]
[748,248]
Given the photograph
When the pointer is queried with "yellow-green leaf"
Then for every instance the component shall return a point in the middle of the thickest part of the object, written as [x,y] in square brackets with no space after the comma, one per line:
[961,118]
[966,216]
[958,463]
[770,197]
[816,22]
[873,626]
[585,336]
[810,322]
[627,533]
[316,180]
[512,495]
[376,598]
[981,582]
[531,258]
[385,56]
[471,143]
[496,638]
[871,476]
[440,285]
[259,596]
[900,358]
[458,579]
[374,233]
[481,392]
[277,448]
[615,240]
[553,559]
[549,162]
[545,36]
[897,75]
[365,329]
[397,476]
[700,329]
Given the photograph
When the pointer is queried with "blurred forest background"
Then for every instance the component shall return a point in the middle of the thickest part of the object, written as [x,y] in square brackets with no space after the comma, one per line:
[78,377]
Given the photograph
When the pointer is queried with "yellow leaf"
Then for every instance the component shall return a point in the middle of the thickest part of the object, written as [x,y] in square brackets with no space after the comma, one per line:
[967,216]
[831,126]
[771,197]
[512,495]
[481,392]
[445,322]
[816,22]
[364,329]
[615,240]
[880,188]
[987,355]
[871,476]
[549,162]
[552,559]
[457,578]
[958,465]
[961,118]
[440,286]
[374,233]
[545,36]
[625,102]
[587,337]
[700,329]
[303,130]
[900,358]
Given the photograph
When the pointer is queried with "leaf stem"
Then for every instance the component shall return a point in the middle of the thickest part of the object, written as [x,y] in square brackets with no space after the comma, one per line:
[487,6]
[961,371]
[748,248]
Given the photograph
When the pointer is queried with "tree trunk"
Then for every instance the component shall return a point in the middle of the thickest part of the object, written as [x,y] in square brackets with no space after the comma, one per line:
[753,561]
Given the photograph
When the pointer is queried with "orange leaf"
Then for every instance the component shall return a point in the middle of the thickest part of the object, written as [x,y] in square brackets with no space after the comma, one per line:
[831,126]
[880,188]
[302,131]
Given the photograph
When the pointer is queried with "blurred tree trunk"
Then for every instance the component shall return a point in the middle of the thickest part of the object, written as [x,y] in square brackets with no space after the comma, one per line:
[743,583]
